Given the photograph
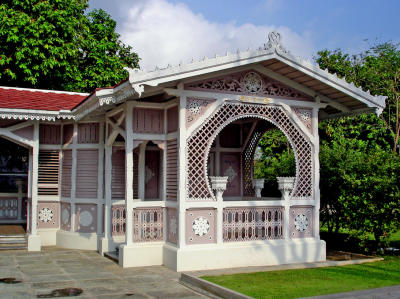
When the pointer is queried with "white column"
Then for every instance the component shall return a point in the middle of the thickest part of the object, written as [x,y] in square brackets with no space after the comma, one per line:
[182,171]
[129,175]
[34,243]
[73,178]
[107,188]
[286,185]
[316,172]
[100,195]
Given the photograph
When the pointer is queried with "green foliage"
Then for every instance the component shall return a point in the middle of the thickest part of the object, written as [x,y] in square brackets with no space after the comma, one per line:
[55,45]
[277,159]
[359,156]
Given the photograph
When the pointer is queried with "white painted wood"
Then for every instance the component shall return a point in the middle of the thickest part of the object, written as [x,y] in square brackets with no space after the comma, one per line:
[182,172]
[34,184]
[299,123]
[129,174]
[100,195]
[316,173]
[73,176]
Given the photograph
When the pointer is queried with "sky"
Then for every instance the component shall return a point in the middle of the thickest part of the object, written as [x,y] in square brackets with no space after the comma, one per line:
[166,32]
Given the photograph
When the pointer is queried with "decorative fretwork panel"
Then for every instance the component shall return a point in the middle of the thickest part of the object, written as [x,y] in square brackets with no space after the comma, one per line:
[148,224]
[196,108]
[65,216]
[301,222]
[118,220]
[246,224]
[8,208]
[199,144]
[248,160]
[305,115]
[248,82]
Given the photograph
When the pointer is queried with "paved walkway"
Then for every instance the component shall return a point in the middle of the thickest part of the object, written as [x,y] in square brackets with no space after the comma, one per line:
[43,272]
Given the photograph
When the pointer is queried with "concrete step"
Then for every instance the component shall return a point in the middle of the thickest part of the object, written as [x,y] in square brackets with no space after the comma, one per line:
[13,248]
[12,236]
[12,241]
[112,255]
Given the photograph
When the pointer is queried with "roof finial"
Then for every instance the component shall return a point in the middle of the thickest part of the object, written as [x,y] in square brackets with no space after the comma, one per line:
[274,42]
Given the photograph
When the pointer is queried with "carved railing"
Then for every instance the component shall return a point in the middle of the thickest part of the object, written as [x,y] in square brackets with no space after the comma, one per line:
[118,220]
[148,224]
[9,208]
[248,224]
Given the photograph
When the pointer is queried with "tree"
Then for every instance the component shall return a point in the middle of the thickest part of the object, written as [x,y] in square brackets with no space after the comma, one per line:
[376,70]
[359,156]
[55,45]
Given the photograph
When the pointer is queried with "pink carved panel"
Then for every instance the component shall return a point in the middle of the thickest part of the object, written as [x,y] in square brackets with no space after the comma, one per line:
[172,119]
[48,215]
[65,216]
[301,222]
[8,208]
[118,220]
[148,121]
[200,226]
[247,224]
[172,170]
[68,133]
[118,173]
[86,173]
[148,224]
[152,175]
[88,133]
[172,225]
[66,173]
[230,167]
[249,83]
[26,132]
[49,134]
[196,108]
[86,218]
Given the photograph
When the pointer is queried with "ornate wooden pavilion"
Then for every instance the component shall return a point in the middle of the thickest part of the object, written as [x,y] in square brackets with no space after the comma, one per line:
[160,167]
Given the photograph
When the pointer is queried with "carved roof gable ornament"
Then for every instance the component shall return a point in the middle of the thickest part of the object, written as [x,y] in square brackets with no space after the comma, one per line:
[274,43]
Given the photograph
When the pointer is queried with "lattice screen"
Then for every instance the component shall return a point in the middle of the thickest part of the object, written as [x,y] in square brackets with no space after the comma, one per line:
[48,172]
[199,143]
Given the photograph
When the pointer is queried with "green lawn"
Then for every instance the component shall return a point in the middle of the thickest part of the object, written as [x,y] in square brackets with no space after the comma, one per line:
[312,282]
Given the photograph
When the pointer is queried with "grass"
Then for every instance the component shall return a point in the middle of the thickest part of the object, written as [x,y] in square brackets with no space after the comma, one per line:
[317,281]
[313,282]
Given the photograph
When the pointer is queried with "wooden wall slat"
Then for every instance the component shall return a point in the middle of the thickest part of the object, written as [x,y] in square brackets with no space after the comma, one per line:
[86,173]
[172,170]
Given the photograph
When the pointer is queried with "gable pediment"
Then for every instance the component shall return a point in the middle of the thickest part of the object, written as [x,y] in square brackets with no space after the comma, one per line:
[249,82]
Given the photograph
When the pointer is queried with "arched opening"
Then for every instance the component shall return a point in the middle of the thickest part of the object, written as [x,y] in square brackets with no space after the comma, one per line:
[14,168]
[251,148]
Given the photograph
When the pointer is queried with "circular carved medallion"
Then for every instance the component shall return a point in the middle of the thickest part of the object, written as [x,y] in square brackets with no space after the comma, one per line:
[200,226]
[46,215]
[252,82]
[65,216]
[301,222]
[85,218]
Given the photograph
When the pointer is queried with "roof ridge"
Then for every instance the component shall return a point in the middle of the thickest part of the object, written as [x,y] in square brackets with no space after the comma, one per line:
[45,90]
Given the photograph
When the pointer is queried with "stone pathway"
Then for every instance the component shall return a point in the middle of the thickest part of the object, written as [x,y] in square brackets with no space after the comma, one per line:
[99,277]
[392,292]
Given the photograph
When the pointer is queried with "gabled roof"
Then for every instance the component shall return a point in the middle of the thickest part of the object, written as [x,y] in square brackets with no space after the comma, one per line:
[272,60]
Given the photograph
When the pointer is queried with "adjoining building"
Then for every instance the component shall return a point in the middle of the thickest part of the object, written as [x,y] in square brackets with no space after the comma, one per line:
[160,167]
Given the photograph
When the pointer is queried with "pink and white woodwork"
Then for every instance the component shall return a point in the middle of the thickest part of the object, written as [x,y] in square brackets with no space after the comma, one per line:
[160,166]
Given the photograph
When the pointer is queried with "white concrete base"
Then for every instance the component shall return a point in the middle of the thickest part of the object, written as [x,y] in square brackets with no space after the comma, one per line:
[71,240]
[140,255]
[48,237]
[274,252]
[34,243]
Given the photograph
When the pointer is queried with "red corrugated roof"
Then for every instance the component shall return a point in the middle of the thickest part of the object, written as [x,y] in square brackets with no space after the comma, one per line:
[16,98]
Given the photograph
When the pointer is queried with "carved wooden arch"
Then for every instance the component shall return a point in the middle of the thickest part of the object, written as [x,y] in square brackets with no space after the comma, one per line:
[199,144]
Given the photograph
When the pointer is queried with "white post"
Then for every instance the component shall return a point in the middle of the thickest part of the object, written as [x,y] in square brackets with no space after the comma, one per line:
[34,243]
[258,185]
[182,171]
[142,170]
[218,184]
[19,184]
[316,172]
[129,175]
[100,196]
[73,178]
